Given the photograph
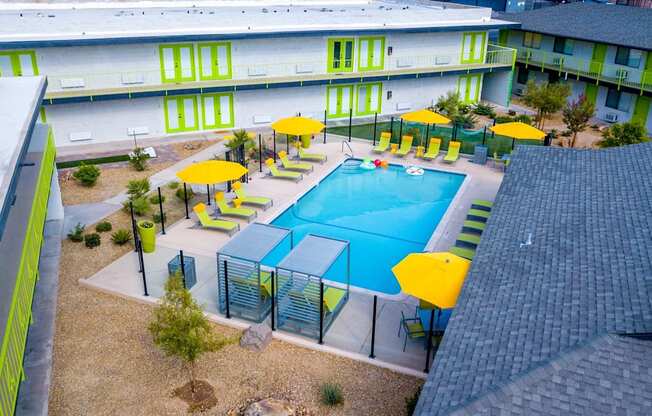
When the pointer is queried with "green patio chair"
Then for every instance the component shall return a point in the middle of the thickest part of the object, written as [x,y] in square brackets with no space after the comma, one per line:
[478,215]
[315,157]
[473,226]
[275,173]
[413,328]
[466,239]
[289,165]
[433,149]
[406,146]
[207,222]
[226,210]
[467,253]
[453,152]
[482,204]
[383,144]
[259,201]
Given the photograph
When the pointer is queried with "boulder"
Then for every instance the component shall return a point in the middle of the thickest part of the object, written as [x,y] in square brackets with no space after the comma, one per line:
[269,407]
[256,337]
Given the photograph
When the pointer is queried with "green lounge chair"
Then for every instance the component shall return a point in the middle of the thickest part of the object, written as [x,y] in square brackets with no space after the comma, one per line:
[474,226]
[433,149]
[207,222]
[453,152]
[413,328]
[467,253]
[305,303]
[383,144]
[406,146]
[465,239]
[482,204]
[298,166]
[478,215]
[246,213]
[275,173]
[316,157]
[259,201]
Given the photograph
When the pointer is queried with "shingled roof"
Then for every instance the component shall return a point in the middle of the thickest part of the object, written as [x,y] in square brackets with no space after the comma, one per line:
[593,22]
[585,277]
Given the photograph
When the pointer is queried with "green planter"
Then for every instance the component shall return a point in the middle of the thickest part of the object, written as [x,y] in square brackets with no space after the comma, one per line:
[305,141]
[147,233]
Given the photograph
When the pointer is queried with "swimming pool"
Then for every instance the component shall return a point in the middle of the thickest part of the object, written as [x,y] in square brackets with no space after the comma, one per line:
[384,213]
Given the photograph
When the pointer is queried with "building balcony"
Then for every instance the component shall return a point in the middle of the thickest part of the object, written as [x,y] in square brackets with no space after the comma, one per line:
[574,67]
[67,85]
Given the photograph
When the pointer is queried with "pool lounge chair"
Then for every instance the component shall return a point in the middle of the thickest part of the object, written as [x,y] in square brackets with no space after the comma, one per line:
[226,210]
[471,226]
[383,144]
[467,253]
[406,146]
[207,222]
[259,201]
[289,165]
[433,149]
[478,215]
[453,152]
[275,173]
[482,204]
[315,157]
[307,300]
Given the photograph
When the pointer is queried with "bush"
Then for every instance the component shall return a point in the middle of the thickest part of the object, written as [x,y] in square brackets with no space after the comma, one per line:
[524,118]
[331,394]
[411,402]
[467,121]
[138,159]
[511,113]
[173,185]
[137,188]
[92,240]
[103,226]
[154,199]
[190,193]
[482,109]
[77,233]
[87,174]
[141,206]
[621,134]
[566,133]
[464,108]
[121,237]
[157,217]
[503,119]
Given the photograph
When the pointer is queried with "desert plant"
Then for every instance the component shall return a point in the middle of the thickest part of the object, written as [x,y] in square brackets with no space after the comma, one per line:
[240,138]
[154,199]
[103,226]
[576,116]
[87,174]
[138,159]
[411,402]
[157,217]
[190,193]
[92,240]
[121,237]
[503,119]
[137,188]
[77,233]
[173,185]
[331,394]
[448,104]
[621,134]
[523,118]
[141,205]
[546,98]
[483,109]
[467,121]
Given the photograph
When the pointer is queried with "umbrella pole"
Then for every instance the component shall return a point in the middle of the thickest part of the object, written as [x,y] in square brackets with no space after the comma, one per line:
[429,340]
[427,133]
[513,141]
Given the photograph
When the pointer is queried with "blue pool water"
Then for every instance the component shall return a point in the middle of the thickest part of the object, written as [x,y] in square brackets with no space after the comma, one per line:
[385,214]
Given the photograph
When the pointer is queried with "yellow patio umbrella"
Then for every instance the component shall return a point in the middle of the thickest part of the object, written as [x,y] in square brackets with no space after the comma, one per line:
[297,126]
[518,131]
[426,117]
[211,172]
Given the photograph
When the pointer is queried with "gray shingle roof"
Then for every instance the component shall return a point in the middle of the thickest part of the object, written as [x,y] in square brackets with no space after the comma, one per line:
[605,23]
[587,273]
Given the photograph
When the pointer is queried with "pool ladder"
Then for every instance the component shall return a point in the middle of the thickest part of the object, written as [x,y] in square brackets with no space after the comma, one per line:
[344,142]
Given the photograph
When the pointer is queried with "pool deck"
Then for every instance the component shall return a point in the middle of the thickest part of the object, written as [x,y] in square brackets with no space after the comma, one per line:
[350,334]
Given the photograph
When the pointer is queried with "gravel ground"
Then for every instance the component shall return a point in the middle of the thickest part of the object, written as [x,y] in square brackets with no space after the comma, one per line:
[106,364]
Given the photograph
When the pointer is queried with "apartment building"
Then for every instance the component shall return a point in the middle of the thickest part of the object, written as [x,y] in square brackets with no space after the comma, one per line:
[124,71]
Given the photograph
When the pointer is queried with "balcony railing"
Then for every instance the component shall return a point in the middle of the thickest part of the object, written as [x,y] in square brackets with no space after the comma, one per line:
[101,83]
[619,75]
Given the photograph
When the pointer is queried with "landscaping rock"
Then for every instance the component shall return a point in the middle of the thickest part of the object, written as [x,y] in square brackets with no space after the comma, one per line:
[256,338]
[269,407]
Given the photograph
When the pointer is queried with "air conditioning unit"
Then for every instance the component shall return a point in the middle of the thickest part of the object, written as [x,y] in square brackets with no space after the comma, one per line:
[622,73]
[611,117]
[518,91]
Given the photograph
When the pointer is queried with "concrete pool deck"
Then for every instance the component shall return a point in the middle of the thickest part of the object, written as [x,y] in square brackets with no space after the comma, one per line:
[350,334]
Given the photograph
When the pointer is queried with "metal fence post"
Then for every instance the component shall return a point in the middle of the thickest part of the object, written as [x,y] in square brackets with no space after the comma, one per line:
[375,124]
[160,208]
[287,144]
[133,224]
[208,194]
[321,312]
[142,262]
[243,162]
[185,199]
[226,289]
[274,140]
[260,151]
[373,328]
[429,340]
[391,129]
[273,301]
[400,131]
[183,269]
[325,118]
[484,135]
[350,121]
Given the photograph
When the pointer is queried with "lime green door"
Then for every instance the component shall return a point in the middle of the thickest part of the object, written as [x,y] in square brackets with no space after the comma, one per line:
[368,99]
[468,87]
[18,64]
[597,58]
[180,113]
[641,109]
[214,60]
[473,47]
[340,55]
[217,110]
[371,53]
[339,100]
[177,63]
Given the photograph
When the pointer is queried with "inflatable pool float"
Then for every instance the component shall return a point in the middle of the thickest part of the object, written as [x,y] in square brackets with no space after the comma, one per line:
[368,164]
[414,171]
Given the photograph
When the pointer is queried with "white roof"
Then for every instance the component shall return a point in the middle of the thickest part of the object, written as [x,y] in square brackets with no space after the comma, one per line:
[86,21]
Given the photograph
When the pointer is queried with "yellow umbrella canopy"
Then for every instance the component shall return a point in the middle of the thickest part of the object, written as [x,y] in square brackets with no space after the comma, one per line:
[436,278]
[518,130]
[211,172]
[297,126]
[426,117]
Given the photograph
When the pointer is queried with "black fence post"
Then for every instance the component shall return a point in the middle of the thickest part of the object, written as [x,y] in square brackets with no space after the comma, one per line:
[350,122]
[321,312]
[375,124]
[454,131]
[484,135]
[185,199]
[400,131]
[325,119]
[208,194]
[429,340]
[373,328]
[427,134]
[226,289]
[391,129]
[273,301]
[260,151]
[142,262]
[160,208]
[133,224]
[243,162]
[287,144]
[274,140]
[183,269]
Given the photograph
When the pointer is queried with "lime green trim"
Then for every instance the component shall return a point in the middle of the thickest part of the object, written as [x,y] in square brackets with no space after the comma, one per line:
[176,57]
[475,37]
[339,63]
[597,58]
[467,79]
[591,92]
[215,74]
[369,107]
[339,110]
[641,109]
[217,109]
[20,310]
[43,116]
[646,77]
[16,67]
[180,113]
[503,37]
[371,43]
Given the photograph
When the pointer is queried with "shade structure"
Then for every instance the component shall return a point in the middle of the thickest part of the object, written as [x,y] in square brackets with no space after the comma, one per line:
[211,172]
[436,278]
[519,131]
[297,126]
[426,117]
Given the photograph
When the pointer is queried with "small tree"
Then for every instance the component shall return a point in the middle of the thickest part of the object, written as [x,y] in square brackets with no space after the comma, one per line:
[180,328]
[576,116]
[621,134]
[546,98]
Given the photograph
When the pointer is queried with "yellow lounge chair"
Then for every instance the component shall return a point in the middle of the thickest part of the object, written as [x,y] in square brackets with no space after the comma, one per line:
[383,144]
[316,157]
[433,149]
[453,152]
[406,146]
[275,173]
[246,213]
[259,201]
[287,164]
[207,222]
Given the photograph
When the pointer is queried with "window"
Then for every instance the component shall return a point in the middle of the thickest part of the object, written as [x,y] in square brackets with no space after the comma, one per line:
[628,57]
[563,45]
[522,76]
[532,40]
[340,55]
[618,100]
[18,64]
[371,53]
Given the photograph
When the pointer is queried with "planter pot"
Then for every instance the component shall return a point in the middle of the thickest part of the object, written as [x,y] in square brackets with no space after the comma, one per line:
[147,233]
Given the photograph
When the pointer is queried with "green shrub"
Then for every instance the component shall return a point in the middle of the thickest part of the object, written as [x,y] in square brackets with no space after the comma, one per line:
[103,226]
[566,133]
[138,159]
[173,185]
[121,237]
[92,240]
[77,233]
[141,206]
[467,121]
[137,188]
[190,193]
[524,118]
[87,174]
[157,217]
[154,199]
[464,108]
[411,402]
[331,394]
[503,119]
[482,109]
